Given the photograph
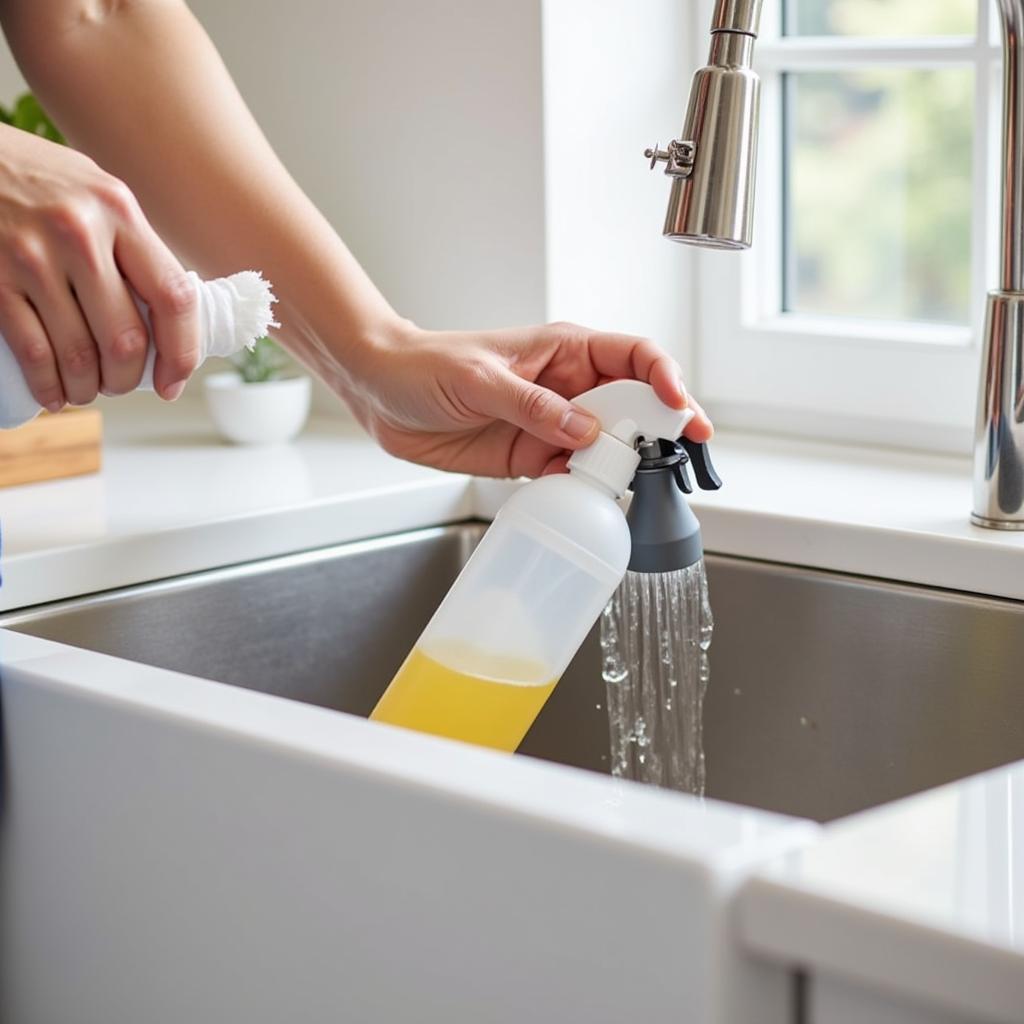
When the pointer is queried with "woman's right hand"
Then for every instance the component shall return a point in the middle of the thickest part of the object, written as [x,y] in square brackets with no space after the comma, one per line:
[73,241]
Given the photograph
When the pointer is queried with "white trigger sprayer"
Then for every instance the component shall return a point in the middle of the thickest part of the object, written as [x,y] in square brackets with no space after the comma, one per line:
[533,588]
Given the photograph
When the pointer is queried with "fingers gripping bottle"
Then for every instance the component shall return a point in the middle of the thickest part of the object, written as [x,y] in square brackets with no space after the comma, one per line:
[232,312]
[524,603]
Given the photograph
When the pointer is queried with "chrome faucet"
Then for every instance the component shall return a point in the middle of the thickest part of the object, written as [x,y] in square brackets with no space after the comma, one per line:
[711,205]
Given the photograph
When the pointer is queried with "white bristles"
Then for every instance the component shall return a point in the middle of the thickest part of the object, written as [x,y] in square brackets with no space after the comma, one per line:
[253,309]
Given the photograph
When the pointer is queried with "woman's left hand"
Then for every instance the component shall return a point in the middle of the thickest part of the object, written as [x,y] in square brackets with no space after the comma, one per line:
[497,403]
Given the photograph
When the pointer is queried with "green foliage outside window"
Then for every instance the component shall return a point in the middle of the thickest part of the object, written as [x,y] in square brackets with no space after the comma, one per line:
[880,17]
[878,170]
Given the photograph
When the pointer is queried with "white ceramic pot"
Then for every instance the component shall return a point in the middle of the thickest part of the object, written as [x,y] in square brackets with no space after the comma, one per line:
[266,413]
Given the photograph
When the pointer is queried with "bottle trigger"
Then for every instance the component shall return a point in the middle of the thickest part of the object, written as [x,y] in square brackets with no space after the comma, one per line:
[703,468]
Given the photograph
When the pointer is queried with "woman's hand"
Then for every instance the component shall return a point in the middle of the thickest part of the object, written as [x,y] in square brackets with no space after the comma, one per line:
[72,241]
[496,403]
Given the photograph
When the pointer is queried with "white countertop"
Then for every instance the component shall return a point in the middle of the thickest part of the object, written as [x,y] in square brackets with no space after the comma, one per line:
[884,513]
[922,897]
[936,879]
[172,499]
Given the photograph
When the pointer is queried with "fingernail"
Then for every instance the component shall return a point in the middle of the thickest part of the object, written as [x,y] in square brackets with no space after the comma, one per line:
[55,407]
[173,392]
[578,425]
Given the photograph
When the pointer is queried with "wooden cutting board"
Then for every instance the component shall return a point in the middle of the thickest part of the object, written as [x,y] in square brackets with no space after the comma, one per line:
[68,443]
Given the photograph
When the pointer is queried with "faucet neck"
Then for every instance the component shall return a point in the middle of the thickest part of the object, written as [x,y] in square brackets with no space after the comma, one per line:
[737,16]
[731,50]
[1011,258]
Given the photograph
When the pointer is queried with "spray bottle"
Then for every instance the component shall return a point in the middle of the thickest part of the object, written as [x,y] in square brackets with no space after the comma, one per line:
[526,599]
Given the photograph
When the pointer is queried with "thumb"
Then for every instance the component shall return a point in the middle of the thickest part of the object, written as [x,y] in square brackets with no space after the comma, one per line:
[541,413]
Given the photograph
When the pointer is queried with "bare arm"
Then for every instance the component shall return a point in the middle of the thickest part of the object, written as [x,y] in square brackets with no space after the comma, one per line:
[121,77]
[122,86]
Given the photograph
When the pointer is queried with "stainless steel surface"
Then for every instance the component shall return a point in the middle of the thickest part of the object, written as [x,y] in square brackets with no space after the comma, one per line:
[736,16]
[712,197]
[828,693]
[999,431]
[999,424]
[731,50]
[1011,263]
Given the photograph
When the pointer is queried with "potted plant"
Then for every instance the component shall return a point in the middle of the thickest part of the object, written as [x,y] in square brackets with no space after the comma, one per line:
[28,114]
[262,400]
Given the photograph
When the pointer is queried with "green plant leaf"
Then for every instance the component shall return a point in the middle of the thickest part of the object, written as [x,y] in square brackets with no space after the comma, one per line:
[29,115]
[265,361]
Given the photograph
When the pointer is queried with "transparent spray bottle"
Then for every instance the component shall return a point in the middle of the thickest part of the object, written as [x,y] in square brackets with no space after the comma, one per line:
[511,623]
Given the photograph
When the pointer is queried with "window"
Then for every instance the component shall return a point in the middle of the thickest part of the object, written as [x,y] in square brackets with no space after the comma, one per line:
[858,312]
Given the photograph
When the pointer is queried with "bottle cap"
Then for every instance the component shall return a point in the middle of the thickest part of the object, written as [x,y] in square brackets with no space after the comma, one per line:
[627,411]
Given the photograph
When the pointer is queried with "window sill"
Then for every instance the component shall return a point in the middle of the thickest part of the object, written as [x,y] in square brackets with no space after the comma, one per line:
[889,514]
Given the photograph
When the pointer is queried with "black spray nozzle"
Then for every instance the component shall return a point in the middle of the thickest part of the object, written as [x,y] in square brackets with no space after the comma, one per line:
[664,531]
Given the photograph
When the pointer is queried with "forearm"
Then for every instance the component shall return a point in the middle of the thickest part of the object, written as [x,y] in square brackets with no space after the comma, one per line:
[144,92]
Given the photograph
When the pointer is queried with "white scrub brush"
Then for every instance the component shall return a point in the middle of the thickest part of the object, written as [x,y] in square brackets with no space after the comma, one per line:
[233,312]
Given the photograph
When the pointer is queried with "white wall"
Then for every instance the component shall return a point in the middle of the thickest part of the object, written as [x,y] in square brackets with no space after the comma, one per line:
[482,158]
[417,128]
[11,81]
[616,79]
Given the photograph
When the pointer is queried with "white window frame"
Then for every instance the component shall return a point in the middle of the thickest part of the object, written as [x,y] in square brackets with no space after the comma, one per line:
[898,383]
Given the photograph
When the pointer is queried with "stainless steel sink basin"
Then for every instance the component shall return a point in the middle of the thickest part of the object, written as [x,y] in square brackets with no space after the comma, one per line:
[828,693]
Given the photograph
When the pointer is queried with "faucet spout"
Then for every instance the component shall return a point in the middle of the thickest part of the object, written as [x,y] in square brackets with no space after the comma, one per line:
[712,165]
[712,169]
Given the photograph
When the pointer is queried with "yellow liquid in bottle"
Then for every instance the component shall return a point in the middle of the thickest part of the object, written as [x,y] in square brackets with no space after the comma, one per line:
[481,707]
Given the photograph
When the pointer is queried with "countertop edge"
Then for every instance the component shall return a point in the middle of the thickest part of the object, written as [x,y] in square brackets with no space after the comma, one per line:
[33,578]
[990,564]
[798,925]
[891,515]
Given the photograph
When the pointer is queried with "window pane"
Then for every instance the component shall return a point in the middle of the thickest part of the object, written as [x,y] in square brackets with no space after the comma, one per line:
[880,17]
[878,193]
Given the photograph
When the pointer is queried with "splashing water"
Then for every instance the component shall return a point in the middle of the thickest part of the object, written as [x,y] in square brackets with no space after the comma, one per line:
[655,635]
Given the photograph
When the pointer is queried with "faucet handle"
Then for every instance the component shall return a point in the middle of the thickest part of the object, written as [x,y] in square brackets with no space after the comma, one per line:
[678,158]
[703,469]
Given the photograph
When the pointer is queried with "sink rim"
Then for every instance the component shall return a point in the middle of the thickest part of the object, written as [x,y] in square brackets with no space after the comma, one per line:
[467,534]
[471,530]
[724,836]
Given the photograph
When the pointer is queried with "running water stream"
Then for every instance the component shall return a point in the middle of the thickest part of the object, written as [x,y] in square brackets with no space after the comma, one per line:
[655,635]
